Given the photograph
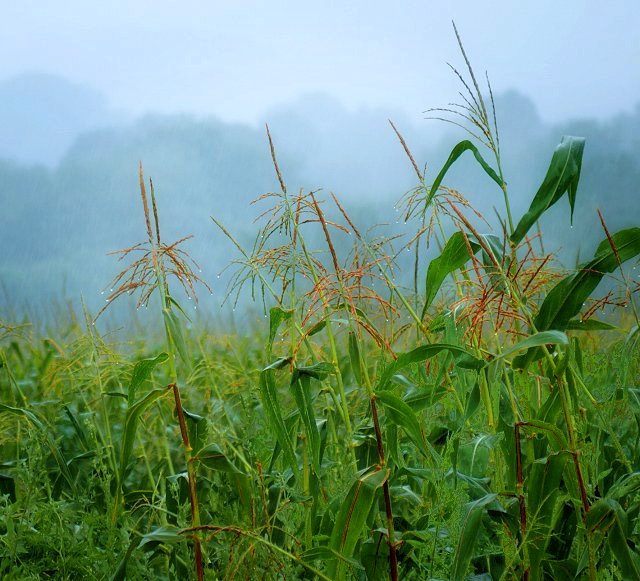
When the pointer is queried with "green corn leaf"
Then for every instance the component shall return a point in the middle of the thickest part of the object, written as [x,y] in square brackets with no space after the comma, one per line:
[624,486]
[399,413]
[276,317]
[141,372]
[33,419]
[607,516]
[197,428]
[468,536]
[565,300]
[301,388]
[166,534]
[317,371]
[462,357]
[326,554]
[351,518]
[589,325]
[456,152]
[317,328]
[269,396]
[555,436]
[174,328]
[536,340]
[543,485]
[454,256]
[213,457]
[131,426]
[562,176]
[354,356]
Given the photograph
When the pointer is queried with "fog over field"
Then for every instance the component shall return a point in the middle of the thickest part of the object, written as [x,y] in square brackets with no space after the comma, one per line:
[84,99]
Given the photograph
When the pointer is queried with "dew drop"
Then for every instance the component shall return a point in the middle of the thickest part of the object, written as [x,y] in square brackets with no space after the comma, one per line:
[102,293]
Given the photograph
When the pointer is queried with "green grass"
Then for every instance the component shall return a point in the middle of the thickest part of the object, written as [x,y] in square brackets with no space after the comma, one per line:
[472,418]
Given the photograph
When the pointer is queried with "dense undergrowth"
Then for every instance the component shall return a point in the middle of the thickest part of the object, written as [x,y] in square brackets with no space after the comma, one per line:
[478,421]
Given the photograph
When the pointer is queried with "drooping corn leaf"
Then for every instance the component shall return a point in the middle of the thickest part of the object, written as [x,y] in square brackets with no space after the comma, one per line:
[589,325]
[399,413]
[40,424]
[213,457]
[174,328]
[454,256]
[456,152]
[277,316]
[543,486]
[354,357]
[461,356]
[131,426]
[536,340]
[301,388]
[468,536]
[351,518]
[565,300]
[607,516]
[562,176]
[141,371]
[271,403]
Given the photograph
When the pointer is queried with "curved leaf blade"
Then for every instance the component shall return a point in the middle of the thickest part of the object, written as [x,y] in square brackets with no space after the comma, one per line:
[454,256]
[562,176]
[467,541]
[351,518]
[456,152]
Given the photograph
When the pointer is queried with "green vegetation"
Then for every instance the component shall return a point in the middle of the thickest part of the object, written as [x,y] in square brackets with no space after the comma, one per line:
[481,422]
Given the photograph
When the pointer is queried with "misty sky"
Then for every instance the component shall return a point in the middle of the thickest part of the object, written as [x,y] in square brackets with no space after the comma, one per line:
[238,59]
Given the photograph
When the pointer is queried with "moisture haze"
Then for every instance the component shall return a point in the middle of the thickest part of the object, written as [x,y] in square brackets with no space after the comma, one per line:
[87,91]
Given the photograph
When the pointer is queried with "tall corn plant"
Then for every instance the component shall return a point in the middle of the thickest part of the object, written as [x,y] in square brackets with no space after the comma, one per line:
[508,289]
[149,273]
[504,343]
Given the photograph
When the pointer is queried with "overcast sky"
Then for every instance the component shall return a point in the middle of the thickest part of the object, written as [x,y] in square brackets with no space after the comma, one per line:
[237,59]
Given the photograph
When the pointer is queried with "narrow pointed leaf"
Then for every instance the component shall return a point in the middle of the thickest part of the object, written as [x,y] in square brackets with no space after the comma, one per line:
[543,338]
[301,388]
[351,518]
[607,516]
[398,412]
[53,448]
[276,317]
[213,457]
[589,325]
[562,176]
[131,426]
[468,536]
[543,485]
[174,327]
[269,396]
[141,372]
[354,356]
[461,356]
[454,256]
[565,300]
[456,152]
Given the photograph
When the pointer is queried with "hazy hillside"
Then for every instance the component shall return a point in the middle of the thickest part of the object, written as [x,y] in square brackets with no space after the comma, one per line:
[58,222]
